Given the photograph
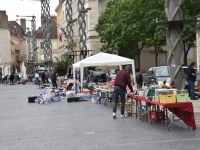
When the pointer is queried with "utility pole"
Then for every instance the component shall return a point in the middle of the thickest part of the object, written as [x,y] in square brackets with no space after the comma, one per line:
[46,31]
[82,28]
[69,29]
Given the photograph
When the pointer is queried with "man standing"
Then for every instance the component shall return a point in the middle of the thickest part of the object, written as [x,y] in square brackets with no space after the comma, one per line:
[53,79]
[12,79]
[36,77]
[139,78]
[121,81]
[43,77]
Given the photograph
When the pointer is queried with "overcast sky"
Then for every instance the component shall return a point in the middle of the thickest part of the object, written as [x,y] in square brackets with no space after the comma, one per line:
[26,8]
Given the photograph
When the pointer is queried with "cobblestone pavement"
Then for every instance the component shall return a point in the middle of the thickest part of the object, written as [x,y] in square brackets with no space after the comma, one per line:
[81,126]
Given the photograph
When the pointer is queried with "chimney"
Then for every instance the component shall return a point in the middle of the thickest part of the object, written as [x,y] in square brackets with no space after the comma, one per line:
[3,19]
[23,24]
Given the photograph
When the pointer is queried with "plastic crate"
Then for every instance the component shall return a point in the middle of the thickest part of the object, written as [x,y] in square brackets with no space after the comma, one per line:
[151,92]
[182,97]
[31,99]
[165,99]
[157,115]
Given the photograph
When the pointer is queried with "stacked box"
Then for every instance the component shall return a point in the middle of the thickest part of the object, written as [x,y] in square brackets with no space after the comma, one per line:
[182,97]
[165,99]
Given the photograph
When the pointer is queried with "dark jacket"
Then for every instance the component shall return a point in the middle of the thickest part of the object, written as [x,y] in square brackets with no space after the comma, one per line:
[43,76]
[191,74]
[12,77]
[123,79]
[53,76]
[139,78]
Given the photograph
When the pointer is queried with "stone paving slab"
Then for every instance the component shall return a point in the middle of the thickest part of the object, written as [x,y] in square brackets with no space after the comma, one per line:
[81,126]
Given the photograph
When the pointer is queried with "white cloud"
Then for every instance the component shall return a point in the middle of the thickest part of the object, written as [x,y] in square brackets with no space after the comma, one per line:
[25,8]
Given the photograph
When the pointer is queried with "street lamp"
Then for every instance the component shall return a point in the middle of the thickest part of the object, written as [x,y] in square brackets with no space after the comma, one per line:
[82,28]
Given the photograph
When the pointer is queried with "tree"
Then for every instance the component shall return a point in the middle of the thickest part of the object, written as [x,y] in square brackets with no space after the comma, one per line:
[61,66]
[155,35]
[190,9]
[120,27]
[125,26]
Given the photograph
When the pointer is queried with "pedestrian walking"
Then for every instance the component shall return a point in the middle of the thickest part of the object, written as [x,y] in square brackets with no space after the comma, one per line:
[43,77]
[36,78]
[47,77]
[121,81]
[12,78]
[53,79]
[191,78]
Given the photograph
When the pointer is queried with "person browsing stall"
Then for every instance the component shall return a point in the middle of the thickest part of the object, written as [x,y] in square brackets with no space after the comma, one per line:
[121,81]
[191,78]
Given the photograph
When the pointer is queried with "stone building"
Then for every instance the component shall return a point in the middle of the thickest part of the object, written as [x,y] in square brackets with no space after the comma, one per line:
[60,19]
[198,40]
[6,46]
[91,17]
[18,35]
[39,38]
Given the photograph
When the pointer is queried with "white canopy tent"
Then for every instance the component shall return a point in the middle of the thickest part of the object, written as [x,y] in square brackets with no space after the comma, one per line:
[103,59]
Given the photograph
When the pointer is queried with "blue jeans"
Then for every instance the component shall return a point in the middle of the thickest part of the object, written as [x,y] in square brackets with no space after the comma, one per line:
[119,92]
[191,84]
[36,80]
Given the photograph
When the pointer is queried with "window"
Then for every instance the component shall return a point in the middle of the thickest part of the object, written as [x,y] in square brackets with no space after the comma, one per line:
[0,25]
[41,45]
[162,72]
[163,58]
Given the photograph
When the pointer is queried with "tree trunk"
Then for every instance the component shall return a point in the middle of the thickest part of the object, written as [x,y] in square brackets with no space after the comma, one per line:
[138,60]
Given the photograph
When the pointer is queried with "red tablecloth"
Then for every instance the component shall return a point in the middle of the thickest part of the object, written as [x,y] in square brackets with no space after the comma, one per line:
[185,107]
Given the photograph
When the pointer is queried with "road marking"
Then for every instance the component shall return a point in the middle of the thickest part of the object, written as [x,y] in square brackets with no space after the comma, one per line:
[89,132]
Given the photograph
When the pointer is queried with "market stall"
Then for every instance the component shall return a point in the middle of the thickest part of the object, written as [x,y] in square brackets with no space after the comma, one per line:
[183,110]
[102,59]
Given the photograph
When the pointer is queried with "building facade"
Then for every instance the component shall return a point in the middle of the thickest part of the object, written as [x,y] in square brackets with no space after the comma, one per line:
[18,36]
[6,46]
[40,45]
[61,40]
[198,41]
[91,17]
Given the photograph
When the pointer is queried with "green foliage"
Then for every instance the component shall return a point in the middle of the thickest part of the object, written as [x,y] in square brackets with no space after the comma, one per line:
[61,66]
[126,23]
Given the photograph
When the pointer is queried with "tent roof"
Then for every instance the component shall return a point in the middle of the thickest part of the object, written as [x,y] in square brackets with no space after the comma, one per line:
[103,59]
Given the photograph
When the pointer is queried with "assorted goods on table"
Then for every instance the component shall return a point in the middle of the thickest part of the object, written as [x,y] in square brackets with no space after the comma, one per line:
[51,95]
[100,93]
[164,96]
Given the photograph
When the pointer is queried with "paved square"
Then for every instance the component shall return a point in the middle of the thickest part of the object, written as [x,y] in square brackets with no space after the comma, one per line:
[81,126]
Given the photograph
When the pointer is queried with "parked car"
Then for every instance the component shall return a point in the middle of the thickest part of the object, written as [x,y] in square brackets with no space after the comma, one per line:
[99,76]
[113,72]
[161,73]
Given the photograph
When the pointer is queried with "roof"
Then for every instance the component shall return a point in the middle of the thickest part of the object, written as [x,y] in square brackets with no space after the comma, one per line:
[16,28]
[53,30]
[103,59]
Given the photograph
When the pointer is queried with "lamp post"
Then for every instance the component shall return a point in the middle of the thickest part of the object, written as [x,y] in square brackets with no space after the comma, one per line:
[82,28]
[34,62]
